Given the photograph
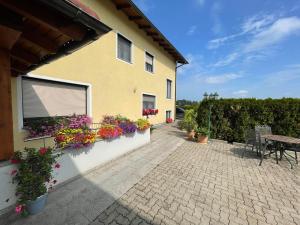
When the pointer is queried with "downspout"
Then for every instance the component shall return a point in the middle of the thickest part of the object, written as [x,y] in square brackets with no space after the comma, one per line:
[175,94]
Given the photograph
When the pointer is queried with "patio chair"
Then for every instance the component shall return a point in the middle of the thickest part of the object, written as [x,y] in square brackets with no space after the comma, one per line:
[250,141]
[294,149]
[262,144]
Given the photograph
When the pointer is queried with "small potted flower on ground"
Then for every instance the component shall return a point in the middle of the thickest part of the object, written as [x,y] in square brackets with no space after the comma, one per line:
[33,177]
[202,135]
[169,120]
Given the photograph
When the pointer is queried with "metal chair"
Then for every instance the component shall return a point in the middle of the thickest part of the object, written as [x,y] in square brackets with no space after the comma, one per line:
[250,141]
[263,145]
[294,149]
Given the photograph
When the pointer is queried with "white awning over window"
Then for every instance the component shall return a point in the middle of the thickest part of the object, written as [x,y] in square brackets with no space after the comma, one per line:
[42,98]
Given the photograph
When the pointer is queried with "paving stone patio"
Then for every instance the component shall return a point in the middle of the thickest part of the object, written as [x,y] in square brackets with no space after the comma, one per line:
[174,181]
[210,184]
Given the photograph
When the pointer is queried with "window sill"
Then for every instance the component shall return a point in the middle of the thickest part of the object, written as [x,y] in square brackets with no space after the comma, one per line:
[130,63]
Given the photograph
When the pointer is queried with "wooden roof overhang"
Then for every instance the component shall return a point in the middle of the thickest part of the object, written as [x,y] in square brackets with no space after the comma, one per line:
[46,30]
[135,15]
[35,32]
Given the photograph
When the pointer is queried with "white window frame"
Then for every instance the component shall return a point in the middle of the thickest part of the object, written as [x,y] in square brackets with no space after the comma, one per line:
[131,49]
[142,100]
[167,89]
[153,62]
[47,78]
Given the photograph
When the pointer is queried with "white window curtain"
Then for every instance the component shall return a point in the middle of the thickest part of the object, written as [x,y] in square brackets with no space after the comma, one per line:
[124,48]
[148,102]
[42,98]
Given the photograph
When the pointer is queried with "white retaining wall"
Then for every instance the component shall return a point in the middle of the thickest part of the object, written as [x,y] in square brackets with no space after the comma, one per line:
[75,162]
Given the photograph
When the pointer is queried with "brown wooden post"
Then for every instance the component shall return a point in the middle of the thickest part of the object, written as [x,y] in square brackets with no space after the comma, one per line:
[6,120]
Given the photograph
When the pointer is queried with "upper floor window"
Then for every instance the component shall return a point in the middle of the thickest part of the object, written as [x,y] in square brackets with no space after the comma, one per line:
[149,62]
[124,49]
[169,88]
[148,101]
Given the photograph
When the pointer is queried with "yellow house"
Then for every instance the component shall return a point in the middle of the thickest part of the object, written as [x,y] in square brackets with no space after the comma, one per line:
[130,68]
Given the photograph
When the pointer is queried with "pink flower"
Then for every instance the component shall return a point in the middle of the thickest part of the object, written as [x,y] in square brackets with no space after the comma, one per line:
[43,151]
[55,181]
[13,172]
[19,208]
[14,161]
[57,165]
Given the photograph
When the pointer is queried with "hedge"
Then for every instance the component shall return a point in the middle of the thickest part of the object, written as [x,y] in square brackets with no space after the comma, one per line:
[231,117]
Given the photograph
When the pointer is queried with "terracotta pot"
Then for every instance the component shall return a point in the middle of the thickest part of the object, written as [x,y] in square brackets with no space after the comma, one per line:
[202,139]
[191,135]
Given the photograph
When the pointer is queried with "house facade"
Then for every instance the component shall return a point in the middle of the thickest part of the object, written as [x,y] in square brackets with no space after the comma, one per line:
[130,68]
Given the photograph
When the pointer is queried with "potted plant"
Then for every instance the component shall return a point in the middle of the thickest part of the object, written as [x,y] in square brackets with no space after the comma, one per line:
[169,120]
[202,135]
[33,177]
[189,123]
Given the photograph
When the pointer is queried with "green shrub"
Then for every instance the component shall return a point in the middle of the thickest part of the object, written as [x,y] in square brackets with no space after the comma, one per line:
[189,121]
[230,118]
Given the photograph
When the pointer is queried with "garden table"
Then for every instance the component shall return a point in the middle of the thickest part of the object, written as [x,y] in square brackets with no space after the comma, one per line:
[280,143]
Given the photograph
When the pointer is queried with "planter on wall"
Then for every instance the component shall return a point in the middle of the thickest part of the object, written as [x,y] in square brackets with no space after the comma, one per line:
[75,162]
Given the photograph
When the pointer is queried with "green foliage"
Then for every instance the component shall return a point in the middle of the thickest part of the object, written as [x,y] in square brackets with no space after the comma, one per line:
[202,131]
[34,173]
[230,118]
[189,121]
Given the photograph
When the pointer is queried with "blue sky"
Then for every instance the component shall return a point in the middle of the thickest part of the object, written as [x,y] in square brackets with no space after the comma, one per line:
[237,48]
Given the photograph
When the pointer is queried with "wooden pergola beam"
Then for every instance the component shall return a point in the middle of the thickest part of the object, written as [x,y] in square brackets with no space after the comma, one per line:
[24,55]
[39,40]
[45,17]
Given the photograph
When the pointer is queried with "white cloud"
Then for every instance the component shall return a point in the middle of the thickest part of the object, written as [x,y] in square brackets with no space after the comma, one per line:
[257,22]
[220,79]
[215,14]
[227,60]
[200,2]
[240,93]
[274,34]
[250,26]
[192,30]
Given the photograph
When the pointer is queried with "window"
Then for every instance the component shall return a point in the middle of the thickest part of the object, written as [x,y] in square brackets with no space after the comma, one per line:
[169,89]
[168,114]
[148,101]
[124,49]
[44,98]
[149,62]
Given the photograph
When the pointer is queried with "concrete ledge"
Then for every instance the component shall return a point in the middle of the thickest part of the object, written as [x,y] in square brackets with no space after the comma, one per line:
[76,162]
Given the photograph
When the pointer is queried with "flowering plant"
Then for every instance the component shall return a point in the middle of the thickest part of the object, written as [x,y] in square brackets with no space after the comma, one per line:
[169,120]
[127,127]
[109,120]
[108,131]
[147,112]
[39,127]
[49,126]
[142,124]
[74,138]
[33,174]
[80,121]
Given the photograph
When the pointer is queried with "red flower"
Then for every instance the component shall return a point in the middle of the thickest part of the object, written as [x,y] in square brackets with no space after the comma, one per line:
[57,165]
[13,172]
[43,151]
[15,161]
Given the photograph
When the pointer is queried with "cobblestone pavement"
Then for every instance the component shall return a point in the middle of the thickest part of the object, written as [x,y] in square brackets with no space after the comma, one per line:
[210,184]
